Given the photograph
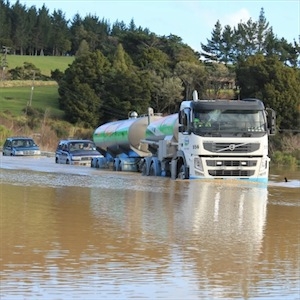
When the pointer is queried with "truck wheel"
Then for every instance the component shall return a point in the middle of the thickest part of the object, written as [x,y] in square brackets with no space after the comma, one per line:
[181,173]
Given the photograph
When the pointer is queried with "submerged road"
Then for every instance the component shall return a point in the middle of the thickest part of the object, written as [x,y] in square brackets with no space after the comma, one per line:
[47,164]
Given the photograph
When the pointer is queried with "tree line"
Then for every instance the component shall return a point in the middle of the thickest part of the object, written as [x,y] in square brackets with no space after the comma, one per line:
[119,68]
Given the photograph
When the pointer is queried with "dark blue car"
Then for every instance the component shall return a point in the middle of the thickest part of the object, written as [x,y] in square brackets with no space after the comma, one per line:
[76,152]
[20,146]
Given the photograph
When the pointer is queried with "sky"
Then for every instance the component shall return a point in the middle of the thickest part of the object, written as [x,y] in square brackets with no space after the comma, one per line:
[191,20]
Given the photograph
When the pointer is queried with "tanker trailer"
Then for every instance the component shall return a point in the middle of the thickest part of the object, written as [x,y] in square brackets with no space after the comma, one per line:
[120,143]
[162,138]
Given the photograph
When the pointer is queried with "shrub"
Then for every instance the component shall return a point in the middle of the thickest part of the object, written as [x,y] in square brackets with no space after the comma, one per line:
[4,133]
[61,128]
[283,159]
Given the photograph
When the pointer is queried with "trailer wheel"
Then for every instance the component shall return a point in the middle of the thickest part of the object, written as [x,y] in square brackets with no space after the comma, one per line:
[117,164]
[144,169]
[152,170]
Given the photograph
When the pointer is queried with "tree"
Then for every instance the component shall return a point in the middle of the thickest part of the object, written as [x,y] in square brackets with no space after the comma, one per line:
[83,48]
[127,88]
[275,84]
[82,89]
[156,60]
[5,25]
[97,32]
[166,93]
[19,27]
[220,77]
[263,31]
[228,41]
[193,77]
[59,34]
[121,59]
[32,22]
[213,49]
[42,31]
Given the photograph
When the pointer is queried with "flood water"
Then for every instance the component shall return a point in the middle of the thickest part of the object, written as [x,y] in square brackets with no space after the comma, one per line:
[70,232]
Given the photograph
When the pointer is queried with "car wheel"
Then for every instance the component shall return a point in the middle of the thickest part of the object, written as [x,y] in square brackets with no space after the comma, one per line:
[56,160]
[67,162]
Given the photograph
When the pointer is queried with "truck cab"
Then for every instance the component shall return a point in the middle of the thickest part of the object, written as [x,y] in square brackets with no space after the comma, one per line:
[224,139]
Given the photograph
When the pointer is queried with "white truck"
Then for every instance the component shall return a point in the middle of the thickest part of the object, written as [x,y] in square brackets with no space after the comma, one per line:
[216,139]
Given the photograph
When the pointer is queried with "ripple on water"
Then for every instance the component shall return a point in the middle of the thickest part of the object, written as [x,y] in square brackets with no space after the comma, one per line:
[106,180]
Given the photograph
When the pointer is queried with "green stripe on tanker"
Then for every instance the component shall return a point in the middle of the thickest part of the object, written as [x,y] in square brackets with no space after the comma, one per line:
[166,126]
[123,136]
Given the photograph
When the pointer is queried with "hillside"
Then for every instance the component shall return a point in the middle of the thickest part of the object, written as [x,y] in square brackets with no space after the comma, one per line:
[45,63]
[15,95]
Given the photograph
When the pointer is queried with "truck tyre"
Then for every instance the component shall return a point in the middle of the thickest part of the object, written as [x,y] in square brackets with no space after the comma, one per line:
[155,169]
[117,164]
[144,169]
[152,170]
[181,173]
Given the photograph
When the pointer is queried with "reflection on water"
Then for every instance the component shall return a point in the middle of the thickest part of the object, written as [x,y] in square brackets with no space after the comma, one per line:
[120,236]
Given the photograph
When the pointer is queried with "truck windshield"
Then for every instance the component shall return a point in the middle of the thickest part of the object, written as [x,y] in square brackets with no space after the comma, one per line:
[229,122]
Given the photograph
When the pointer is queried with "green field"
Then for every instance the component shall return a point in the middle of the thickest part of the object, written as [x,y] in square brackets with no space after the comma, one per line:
[45,63]
[16,95]
[15,99]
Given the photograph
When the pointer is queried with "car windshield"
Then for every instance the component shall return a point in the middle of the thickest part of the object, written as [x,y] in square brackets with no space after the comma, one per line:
[229,122]
[21,143]
[75,146]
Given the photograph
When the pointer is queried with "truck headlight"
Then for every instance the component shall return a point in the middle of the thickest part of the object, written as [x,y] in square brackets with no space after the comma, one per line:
[264,164]
[198,163]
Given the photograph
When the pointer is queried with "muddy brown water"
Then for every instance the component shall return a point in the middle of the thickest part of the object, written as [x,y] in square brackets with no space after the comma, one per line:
[71,232]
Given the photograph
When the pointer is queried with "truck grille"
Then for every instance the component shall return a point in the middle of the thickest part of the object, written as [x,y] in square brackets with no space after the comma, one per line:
[231,147]
[231,163]
[235,173]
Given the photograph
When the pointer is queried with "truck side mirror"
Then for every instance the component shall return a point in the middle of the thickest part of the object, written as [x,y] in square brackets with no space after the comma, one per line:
[271,120]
